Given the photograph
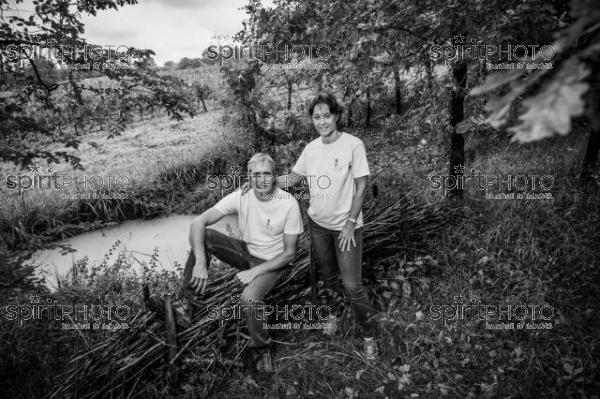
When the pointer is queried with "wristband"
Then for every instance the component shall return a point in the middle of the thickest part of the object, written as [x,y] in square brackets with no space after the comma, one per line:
[352,220]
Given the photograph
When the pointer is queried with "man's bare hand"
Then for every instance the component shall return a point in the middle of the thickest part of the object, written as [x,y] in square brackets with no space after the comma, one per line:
[199,279]
[245,277]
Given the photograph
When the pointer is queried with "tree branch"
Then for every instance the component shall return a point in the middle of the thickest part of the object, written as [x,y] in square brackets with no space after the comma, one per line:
[39,78]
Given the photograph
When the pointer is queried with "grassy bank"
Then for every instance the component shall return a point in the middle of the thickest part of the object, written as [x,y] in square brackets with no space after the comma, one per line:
[496,257]
[160,163]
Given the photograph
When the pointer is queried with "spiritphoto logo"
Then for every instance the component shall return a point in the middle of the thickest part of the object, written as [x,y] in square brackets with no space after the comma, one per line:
[496,316]
[71,316]
[525,185]
[531,56]
[230,182]
[274,317]
[47,178]
[36,49]
[270,54]
[298,65]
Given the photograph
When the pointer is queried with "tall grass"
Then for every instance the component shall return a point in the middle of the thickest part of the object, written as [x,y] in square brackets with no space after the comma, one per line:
[35,351]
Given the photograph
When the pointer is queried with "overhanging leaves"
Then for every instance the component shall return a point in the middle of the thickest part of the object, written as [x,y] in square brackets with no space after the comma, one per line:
[550,111]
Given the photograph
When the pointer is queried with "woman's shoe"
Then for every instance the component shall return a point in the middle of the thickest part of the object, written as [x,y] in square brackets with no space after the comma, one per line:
[332,326]
[264,361]
[370,348]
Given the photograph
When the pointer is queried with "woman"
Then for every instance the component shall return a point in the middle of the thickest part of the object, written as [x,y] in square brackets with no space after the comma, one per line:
[335,167]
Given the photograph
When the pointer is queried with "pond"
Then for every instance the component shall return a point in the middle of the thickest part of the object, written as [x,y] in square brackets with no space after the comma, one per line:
[136,239]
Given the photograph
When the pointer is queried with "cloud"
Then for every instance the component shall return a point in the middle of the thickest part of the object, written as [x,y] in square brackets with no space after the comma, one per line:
[197,4]
[173,29]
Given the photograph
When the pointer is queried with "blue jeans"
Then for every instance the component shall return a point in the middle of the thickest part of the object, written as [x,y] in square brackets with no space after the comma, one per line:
[235,253]
[331,259]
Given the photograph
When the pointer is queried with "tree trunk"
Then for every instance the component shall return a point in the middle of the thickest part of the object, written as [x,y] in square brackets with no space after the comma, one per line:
[255,129]
[368,116]
[203,103]
[347,99]
[350,116]
[590,158]
[483,70]
[289,100]
[457,141]
[429,74]
[398,91]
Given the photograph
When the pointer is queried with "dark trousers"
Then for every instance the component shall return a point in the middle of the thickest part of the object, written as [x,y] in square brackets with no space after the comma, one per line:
[348,264]
[235,253]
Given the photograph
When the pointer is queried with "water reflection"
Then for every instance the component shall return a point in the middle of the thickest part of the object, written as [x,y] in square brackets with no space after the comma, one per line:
[138,239]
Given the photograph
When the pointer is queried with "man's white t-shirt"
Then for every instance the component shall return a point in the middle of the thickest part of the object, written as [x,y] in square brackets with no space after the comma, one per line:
[263,223]
[330,170]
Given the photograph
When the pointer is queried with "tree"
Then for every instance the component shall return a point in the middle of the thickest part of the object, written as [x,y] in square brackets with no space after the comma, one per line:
[374,40]
[552,96]
[201,91]
[590,158]
[53,24]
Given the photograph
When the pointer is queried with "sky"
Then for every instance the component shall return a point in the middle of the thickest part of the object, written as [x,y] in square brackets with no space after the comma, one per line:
[172,28]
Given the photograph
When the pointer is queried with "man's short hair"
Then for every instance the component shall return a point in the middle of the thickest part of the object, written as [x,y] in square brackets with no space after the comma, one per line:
[326,98]
[259,158]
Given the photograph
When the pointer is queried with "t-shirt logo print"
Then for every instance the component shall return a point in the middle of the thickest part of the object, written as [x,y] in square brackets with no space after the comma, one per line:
[268,224]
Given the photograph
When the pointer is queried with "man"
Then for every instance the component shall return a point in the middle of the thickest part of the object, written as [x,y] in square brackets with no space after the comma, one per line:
[270,222]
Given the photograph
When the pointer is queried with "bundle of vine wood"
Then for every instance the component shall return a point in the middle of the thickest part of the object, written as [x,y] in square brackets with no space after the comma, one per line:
[118,364]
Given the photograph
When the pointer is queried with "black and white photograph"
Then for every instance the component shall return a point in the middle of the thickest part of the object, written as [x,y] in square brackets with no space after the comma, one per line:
[299,199]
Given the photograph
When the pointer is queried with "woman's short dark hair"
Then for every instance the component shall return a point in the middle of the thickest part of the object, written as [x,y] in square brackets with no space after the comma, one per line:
[326,98]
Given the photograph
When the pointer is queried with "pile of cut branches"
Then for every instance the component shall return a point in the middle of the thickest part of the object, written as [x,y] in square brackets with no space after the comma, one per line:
[118,365]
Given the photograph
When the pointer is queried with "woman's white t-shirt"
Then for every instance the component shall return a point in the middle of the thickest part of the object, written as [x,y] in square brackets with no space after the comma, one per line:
[330,170]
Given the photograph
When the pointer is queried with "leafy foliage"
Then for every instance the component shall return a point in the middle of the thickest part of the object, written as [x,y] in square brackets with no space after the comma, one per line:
[33,102]
[554,95]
